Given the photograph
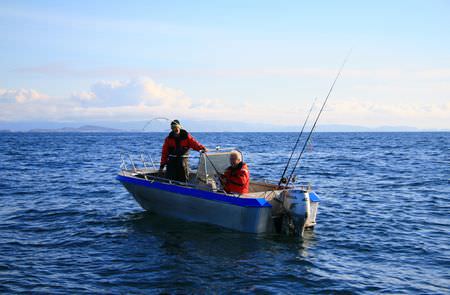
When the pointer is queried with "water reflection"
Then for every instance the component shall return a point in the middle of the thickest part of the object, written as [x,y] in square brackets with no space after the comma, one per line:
[175,236]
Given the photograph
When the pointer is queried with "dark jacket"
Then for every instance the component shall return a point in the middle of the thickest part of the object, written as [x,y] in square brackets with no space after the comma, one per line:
[179,145]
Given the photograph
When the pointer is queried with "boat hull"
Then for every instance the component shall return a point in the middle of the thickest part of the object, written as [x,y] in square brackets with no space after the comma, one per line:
[246,215]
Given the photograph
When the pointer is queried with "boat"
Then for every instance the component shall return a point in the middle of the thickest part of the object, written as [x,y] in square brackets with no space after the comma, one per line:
[267,208]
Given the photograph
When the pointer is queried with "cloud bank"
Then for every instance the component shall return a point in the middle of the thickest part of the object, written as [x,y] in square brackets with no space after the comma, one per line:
[141,91]
[21,96]
[143,98]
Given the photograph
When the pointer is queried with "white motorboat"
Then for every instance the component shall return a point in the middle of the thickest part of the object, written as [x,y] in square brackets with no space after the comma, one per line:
[267,208]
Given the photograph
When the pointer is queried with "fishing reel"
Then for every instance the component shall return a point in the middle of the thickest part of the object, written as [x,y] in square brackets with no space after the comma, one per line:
[284,180]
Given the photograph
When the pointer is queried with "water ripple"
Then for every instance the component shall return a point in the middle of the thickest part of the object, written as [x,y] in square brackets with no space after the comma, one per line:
[66,226]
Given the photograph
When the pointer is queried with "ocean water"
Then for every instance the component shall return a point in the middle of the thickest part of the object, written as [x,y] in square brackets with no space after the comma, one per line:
[67,226]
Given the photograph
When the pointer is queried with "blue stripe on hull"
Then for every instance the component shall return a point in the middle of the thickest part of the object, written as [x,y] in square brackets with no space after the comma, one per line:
[192,192]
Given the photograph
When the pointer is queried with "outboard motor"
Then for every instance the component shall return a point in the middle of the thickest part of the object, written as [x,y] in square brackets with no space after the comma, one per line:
[294,210]
[299,210]
[296,206]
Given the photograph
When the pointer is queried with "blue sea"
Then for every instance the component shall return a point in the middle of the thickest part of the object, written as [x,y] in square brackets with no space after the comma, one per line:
[67,226]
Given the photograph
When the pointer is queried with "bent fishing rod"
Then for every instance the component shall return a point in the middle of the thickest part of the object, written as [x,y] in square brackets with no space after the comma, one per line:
[317,119]
[154,119]
[282,179]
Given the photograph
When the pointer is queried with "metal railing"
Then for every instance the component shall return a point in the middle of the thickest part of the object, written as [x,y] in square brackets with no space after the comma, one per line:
[145,163]
[127,158]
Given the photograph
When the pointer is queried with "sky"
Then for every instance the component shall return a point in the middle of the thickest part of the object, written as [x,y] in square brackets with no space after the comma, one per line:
[242,61]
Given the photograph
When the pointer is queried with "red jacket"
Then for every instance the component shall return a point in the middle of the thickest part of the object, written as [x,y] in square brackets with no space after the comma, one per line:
[179,146]
[237,179]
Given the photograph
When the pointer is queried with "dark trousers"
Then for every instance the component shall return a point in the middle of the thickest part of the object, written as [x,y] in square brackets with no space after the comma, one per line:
[178,169]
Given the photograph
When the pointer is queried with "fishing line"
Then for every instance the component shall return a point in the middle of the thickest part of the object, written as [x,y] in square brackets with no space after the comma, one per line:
[317,118]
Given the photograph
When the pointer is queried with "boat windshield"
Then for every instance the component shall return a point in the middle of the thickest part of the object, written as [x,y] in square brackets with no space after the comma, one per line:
[208,164]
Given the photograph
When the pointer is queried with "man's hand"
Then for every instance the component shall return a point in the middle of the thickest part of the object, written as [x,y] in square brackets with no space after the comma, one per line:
[161,169]
[205,150]
[222,178]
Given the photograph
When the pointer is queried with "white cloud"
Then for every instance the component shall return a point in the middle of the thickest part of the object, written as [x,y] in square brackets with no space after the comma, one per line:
[143,98]
[84,96]
[21,95]
[136,91]
[360,112]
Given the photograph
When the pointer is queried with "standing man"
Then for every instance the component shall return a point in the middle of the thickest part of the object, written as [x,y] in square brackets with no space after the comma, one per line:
[236,178]
[175,152]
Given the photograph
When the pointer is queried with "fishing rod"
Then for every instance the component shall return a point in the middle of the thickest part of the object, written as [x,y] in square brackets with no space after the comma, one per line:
[317,119]
[282,179]
[154,119]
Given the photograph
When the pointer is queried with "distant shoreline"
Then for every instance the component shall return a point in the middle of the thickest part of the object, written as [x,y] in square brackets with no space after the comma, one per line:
[231,129]
[195,131]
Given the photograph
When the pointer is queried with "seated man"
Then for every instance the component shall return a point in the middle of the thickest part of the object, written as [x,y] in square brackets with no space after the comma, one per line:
[236,178]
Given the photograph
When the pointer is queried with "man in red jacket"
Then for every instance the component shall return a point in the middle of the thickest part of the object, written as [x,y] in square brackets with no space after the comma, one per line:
[175,152]
[236,178]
